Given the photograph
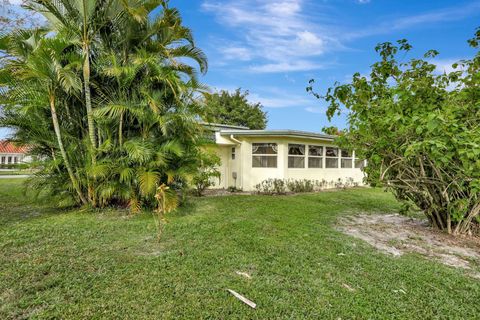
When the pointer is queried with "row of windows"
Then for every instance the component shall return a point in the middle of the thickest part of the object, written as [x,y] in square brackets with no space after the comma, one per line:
[9,160]
[264,155]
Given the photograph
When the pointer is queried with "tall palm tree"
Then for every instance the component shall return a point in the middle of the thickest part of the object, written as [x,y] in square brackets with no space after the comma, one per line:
[85,19]
[37,76]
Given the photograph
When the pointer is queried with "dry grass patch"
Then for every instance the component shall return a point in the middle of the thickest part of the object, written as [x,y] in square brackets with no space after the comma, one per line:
[395,234]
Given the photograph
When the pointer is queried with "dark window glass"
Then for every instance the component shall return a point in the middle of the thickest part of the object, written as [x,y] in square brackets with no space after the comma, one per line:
[346,163]
[296,149]
[314,162]
[331,163]
[264,148]
[359,164]
[264,161]
[296,162]
[331,152]
[315,151]
[346,154]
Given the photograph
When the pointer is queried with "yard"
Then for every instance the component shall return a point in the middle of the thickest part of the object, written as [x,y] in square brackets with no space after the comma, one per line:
[72,264]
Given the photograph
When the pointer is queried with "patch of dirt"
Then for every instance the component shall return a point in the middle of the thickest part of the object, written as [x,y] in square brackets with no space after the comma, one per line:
[396,235]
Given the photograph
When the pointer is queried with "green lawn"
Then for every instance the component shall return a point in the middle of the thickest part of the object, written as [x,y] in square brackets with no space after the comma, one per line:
[59,264]
[14,172]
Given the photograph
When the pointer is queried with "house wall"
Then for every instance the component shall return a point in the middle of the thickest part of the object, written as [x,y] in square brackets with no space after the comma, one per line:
[248,177]
[20,157]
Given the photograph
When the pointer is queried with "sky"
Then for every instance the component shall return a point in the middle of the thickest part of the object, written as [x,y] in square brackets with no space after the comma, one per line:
[273,47]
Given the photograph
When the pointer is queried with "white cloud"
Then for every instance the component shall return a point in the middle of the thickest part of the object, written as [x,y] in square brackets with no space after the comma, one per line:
[423,19]
[16,2]
[319,110]
[363,1]
[286,67]
[236,53]
[446,65]
[274,33]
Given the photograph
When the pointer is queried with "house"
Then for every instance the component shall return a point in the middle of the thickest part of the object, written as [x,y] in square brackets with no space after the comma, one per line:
[252,156]
[12,154]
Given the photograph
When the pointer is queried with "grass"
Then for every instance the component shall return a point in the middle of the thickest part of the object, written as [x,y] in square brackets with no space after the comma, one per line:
[14,172]
[71,264]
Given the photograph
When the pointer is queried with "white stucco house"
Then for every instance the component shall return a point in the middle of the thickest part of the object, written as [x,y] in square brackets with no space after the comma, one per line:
[252,156]
[12,154]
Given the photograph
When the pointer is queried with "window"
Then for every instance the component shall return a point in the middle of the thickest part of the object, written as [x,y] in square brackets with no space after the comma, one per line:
[233,153]
[315,156]
[346,160]
[359,164]
[15,160]
[296,156]
[331,157]
[264,155]
[3,160]
[9,160]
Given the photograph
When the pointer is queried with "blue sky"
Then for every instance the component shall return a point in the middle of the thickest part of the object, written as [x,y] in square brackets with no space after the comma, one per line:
[273,47]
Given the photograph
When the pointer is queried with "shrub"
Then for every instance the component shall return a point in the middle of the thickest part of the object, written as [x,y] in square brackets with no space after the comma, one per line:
[206,173]
[299,186]
[419,131]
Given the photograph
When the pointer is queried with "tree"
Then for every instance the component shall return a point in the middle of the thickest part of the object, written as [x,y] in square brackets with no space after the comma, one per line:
[234,109]
[419,131]
[38,77]
[143,94]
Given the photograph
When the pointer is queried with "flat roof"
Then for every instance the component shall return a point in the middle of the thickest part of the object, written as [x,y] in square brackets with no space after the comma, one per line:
[278,133]
[223,126]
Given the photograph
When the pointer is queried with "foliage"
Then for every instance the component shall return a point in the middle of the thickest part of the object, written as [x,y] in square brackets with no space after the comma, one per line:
[167,201]
[271,186]
[419,131]
[281,186]
[284,243]
[234,109]
[103,94]
[206,173]
[303,185]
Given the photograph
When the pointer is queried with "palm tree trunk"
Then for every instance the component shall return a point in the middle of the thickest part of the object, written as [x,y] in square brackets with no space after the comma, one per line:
[56,127]
[120,130]
[88,99]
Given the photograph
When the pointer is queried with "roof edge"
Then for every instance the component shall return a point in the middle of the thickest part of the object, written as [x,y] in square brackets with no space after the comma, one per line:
[289,133]
[220,125]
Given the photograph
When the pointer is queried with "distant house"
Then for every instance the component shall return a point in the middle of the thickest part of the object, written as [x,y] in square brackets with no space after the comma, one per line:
[251,156]
[12,154]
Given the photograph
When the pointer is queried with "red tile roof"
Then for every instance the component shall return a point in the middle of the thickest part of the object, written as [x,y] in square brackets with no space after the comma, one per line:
[8,147]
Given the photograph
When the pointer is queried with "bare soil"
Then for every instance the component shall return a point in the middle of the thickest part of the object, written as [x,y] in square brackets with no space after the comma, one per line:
[394,234]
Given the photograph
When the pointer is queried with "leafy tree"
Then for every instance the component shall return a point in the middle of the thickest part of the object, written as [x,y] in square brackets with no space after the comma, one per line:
[419,131]
[234,109]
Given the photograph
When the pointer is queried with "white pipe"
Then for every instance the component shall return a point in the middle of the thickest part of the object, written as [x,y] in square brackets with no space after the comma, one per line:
[235,140]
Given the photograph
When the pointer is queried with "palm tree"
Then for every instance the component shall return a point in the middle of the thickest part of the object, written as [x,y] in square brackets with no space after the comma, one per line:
[85,19]
[142,100]
[37,76]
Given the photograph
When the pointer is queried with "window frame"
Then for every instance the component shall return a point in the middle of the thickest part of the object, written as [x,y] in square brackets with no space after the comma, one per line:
[298,156]
[351,158]
[337,157]
[233,153]
[316,156]
[274,146]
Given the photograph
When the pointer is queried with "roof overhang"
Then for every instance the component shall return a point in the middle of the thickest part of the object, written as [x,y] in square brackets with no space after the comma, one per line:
[278,133]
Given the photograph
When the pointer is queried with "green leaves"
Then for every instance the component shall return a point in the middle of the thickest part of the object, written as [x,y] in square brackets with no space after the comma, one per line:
[420,137]
[148,182]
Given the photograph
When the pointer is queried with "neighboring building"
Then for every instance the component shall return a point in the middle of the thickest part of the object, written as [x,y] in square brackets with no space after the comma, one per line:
[12,154]
[251,156]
